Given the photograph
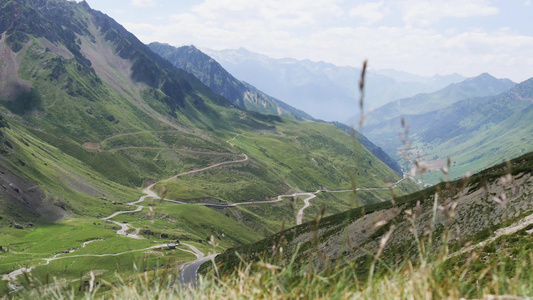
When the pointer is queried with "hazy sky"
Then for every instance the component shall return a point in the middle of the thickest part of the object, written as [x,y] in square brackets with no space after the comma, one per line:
[424,37]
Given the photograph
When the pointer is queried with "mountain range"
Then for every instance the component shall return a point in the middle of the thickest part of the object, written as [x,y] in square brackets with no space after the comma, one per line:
[323,90]
[211,73]
[474,132]
[245,95]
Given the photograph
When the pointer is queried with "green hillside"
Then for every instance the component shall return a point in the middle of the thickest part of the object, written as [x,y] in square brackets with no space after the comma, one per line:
[90,116]
[474,133]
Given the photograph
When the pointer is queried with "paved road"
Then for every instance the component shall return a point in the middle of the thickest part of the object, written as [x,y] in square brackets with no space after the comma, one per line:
[197,252]
[188,276]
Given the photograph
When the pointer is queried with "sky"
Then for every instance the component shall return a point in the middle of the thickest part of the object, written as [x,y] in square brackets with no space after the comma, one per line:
[423,37]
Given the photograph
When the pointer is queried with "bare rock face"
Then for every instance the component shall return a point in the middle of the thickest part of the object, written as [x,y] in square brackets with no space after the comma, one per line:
[27,199]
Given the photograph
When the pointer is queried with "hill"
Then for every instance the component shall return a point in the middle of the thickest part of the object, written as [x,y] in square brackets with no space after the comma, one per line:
[453,241]
[461,216]
[244,94]
[94,123]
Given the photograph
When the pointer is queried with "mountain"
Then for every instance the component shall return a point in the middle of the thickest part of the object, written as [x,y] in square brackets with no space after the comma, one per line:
[212,74]
[479,86]
[94,124]
[474,133]
[244,94]
[324,90]
[436,80]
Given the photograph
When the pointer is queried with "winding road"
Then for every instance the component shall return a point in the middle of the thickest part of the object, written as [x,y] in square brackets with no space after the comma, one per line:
[189,272]
[188,276]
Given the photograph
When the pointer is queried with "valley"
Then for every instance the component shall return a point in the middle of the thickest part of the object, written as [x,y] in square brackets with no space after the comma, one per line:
[133,233]
[131,170]
[96,136]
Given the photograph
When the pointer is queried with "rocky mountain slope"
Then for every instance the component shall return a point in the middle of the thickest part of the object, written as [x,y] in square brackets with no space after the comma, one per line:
[472,212]
[211,73]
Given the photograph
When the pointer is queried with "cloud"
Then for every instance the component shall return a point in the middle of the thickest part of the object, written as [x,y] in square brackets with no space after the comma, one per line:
[426,51]
[143,3]
[328,30]
[272,13]
[371,12]
[428,12]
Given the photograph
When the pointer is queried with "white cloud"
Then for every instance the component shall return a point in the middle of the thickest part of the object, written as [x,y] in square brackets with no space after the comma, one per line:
[427,12]
[527,3]
[425,51]
[322,30]
[272,13]
[143,3]
[371,12]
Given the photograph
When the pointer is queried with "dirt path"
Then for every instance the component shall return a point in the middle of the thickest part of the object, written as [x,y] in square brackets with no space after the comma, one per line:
[12,277]
[513,228]
[210,167]
[232,139]
[149,193]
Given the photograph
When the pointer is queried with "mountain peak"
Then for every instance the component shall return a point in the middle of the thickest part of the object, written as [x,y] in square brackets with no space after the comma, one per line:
[485,76]
[503,84]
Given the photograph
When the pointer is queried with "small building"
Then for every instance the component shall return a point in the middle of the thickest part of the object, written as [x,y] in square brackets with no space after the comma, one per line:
[171,246]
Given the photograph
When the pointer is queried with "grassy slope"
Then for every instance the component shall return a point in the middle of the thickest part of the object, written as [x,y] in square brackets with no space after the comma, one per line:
[295,157]
[89,141]
[474,133]
[476,153]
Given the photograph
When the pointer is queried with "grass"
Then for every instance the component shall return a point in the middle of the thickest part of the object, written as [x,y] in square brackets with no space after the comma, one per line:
[501,269]
[70,174]
[192,222]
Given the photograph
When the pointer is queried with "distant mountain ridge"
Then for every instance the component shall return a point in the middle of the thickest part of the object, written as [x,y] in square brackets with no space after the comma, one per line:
[401,76]
[212,74]
[324,90]
[475,133]
[479,86]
